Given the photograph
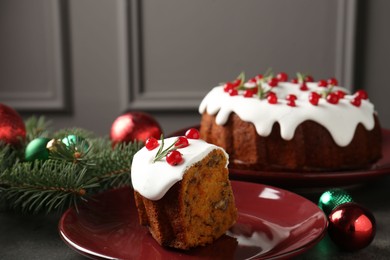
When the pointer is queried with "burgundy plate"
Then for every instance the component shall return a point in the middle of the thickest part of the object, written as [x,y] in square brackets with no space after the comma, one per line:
[272,223]
[315,179]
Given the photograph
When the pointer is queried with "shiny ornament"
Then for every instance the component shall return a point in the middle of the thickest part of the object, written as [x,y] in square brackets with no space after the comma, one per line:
[78,142]
[53,144]
[12,128]
[330,199]
[36,149]
[134,126]
[351,226]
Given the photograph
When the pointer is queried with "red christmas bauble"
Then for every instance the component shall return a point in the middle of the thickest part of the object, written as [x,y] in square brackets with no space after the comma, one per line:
[12,128]
[133,126]
[351,226]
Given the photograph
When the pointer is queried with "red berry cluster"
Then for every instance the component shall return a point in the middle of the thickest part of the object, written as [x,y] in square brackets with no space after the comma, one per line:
[359,95]
[291,100]
[331,97]
[330,82]
[172,156]
[232,88]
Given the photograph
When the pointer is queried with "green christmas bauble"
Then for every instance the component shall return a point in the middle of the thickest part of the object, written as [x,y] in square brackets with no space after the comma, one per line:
[330,199]
[77,141]
[36,149]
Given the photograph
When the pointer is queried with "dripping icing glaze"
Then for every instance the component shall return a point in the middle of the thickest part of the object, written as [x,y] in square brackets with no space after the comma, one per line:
[153,180]
[340,120]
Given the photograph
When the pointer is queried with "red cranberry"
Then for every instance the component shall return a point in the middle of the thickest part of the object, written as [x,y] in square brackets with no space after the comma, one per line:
[356,102]
[273,82]
[228,86]
[291,97]
[233,92]
[322,83]
[333,82]
[237,82]
[174,158]
[294,80]
[361,94]
[182,142]
[151,143]
[332,98]
[259,77]
[291,103]
[309,78]
[340,94]
[250,92]
[272,99]
[303,86]
[282,77]
[192,133]
[314,98]
[252,80]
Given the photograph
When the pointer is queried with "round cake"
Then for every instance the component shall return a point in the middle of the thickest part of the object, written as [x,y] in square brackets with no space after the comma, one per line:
[269,123]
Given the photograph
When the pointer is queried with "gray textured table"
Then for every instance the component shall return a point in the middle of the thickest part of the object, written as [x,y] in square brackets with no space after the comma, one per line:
[36,237]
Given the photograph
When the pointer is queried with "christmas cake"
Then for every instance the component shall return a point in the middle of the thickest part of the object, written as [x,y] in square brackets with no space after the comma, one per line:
[270,123]
[182,191]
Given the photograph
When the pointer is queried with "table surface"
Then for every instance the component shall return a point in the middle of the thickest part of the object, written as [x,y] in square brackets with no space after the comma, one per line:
[36,236]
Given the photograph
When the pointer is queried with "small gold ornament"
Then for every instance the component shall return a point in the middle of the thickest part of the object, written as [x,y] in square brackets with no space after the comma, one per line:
[53,144]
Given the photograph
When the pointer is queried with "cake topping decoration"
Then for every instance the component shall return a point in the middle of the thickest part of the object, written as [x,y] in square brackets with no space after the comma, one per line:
[174,158]
[273,82]
[314,98]
[361,94]
[322,83]
[333,82]
[294,81]
[282,77]
[192,133]
[340,93]
[182,142]
[272,98]
[356,102]
[309,78]
[161,153]
[332,98]
[153,178]
[323,102]
[151,143]
[291,100]
[304,86]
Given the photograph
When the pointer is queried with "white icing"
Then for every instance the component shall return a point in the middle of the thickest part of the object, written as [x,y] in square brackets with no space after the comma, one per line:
[153,180]
[339,119]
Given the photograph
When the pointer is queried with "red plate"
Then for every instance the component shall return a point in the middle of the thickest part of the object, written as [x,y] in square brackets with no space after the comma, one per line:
[272,223]
[315,179]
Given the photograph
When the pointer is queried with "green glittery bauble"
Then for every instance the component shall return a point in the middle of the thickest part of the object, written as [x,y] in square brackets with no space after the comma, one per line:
[74,140]
[330,199]
[36,149]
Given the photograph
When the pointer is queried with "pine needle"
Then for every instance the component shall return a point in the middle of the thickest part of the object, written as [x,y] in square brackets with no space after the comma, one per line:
[61,182]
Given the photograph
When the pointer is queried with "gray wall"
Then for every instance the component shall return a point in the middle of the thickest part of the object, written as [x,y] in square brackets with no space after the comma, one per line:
[84,62]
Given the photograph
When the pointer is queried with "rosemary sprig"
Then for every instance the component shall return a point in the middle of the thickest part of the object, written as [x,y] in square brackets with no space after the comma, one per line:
[301,77]
[161,153]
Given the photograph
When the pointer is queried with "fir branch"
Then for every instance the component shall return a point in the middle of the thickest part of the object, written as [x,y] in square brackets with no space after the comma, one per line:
[8,156]
[36,127]
[74,152]
[50,185]
[113,165]
[59,134]
[66,177]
